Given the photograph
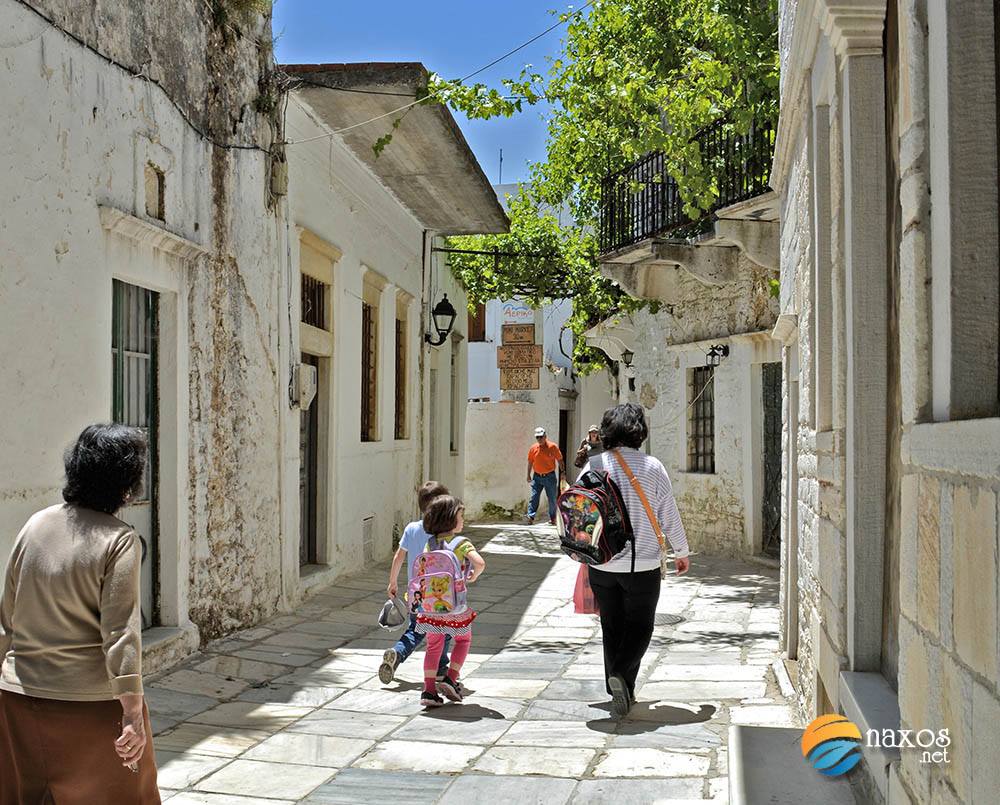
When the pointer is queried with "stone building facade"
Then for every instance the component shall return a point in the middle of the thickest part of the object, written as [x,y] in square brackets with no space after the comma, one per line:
[886,164]
[147,218]
[707,425]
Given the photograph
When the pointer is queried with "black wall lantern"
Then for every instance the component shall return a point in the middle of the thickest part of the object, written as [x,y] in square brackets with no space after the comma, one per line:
[627,356]
[716,353]
[444,319]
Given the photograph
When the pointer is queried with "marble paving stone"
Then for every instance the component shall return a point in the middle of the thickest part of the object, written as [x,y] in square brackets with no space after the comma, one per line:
[208,739]
[242,669]
[707,672]
[475,788]
[252,715]
[182,769]
[202,684]
[508,688]
[587,690]
[355,786]
[200,798]
[322,629]
[255,778]
[553,733]
[644,762]
[681,737]
[774,715]
[167,708]
[299,642]
[311,750]
[557,710]
[549,761]
[312,696]
[277,655]
[417,756]
[584,671]
[693,690]
[347,724]
[325,678]
[378,701]
[637,792]
[340,615]
[437,726]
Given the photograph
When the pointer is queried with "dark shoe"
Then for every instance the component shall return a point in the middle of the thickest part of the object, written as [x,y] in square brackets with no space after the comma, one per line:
[451,689]
[621,700]
[387,670]
[552,521]
[528,520]
[430,699]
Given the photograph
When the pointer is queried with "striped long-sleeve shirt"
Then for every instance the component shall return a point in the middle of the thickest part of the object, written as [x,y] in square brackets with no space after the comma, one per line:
[655,482]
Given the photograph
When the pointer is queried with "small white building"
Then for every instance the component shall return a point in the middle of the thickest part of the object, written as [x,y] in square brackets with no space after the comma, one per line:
[168,262]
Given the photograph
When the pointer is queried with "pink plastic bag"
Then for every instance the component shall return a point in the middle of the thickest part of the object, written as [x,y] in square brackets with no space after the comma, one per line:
[583,596]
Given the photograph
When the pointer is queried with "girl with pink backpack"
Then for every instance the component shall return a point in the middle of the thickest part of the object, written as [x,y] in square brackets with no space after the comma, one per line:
[438,596]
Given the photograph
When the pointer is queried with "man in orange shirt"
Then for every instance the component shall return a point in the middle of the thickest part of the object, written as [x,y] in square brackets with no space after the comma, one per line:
[544,458]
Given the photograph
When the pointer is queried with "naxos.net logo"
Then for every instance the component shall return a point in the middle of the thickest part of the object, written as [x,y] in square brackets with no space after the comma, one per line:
[832,745]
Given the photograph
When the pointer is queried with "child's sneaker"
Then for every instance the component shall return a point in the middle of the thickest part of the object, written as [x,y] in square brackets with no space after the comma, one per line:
[387,670]
[430,699]
[451,689]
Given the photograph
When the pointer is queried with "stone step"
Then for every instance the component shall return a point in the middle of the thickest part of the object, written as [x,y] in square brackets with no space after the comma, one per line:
[766,766]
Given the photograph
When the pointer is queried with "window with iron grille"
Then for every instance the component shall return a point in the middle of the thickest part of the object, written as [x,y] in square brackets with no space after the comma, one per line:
[701,420]
[369,373]
[314,302]
[400,426]
[477,324]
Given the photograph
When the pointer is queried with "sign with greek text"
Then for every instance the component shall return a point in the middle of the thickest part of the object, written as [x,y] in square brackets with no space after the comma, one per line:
[519,379]
[519,356]
[518,333]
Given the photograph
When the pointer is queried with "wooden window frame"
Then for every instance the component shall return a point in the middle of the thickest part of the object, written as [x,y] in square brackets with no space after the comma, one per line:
[400,425]
[477,324]
[369,372]
[701,421]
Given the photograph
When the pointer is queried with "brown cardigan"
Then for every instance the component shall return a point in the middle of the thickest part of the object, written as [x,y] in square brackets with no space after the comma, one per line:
[70,620]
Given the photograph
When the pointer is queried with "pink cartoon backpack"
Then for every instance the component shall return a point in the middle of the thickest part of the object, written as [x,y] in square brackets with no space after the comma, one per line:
[437,581]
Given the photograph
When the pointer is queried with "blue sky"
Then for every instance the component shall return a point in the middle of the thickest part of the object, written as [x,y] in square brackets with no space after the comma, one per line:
[451,37]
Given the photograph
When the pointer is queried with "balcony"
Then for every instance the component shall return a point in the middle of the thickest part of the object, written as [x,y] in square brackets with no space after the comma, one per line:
[642,201]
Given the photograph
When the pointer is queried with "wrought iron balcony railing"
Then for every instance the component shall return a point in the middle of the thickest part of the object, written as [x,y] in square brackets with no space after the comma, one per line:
[642,200]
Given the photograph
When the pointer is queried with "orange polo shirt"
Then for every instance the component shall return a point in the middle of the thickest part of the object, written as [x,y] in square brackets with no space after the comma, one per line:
[544,458]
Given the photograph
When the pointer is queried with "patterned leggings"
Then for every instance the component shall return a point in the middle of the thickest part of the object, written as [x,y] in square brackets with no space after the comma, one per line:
[435,645]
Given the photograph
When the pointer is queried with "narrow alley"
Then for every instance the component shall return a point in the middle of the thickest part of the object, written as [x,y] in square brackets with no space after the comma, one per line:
[292,711]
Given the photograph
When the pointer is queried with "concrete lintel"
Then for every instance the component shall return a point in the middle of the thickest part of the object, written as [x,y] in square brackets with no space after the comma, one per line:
[758,240]
[869,701]
[712,265]
[970,447]
[786,328]
[141,231]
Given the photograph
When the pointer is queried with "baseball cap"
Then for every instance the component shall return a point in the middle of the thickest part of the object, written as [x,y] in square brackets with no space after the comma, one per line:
[593,429]
[539,432]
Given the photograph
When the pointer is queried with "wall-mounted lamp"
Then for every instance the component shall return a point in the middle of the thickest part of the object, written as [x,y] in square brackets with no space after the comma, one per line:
[716,353]
[627,356]
[444,318]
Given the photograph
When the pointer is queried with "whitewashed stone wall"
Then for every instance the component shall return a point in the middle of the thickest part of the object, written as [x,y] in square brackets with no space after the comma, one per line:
[669,344]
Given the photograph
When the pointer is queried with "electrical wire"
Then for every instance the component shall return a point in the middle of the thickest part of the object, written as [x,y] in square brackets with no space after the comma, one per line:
[496,61]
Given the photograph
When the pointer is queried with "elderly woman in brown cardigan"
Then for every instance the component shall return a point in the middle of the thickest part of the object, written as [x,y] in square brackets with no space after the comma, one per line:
[73,724]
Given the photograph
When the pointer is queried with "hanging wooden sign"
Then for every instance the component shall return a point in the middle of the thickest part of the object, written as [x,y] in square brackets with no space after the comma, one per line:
[519,355]
[518,334]
[519,379]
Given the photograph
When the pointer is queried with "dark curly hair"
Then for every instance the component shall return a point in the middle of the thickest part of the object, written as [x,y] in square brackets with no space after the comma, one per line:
[441,515]
[624,426]
[104,467]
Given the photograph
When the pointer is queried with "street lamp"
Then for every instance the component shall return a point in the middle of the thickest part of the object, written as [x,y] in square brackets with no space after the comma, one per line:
[627,356]
[716,353]
[444,317]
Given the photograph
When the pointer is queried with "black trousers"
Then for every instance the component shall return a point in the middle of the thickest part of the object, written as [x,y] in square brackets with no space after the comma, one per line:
[628,608]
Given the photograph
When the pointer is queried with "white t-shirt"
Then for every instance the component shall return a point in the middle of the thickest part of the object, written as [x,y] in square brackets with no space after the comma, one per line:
[655,482]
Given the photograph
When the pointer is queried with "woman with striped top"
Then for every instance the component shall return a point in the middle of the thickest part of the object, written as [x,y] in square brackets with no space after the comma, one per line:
[626,597]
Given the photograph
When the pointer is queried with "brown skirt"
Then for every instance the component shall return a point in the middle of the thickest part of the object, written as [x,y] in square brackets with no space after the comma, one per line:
[63,752]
